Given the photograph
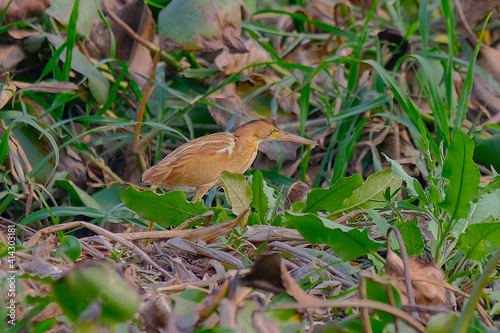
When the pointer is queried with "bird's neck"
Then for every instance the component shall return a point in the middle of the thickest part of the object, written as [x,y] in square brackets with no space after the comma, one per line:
[245,150]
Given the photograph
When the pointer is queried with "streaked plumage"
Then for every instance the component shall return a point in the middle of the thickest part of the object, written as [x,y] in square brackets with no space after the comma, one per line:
[196,165]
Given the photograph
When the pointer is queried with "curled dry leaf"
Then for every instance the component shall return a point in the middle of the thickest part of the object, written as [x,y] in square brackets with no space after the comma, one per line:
[230,63]
[427,280]
[265,274]
[489,60]
[138,17]
[7,91]
[269,273]
[10,56]
[20,9]
[297,192]
[155,312]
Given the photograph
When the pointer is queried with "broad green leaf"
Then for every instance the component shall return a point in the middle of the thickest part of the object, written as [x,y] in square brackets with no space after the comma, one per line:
[70,246]
[462,174]
[88,11]
[371,193]
[346,242]
[238,191]
[193,25]
[169,209]
[487,151]
[263,195]
[254,219]
[412,237]
[479,240]
[399,172]
[379,292]
[333,198]
[83,286]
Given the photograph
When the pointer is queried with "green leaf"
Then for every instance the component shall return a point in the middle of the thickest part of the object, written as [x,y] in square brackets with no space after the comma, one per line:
[462,174]
[254,219]
[412,237]
[479,240]
[378,292]
[487,151]
[346,242]
[399,172]
[487,205]
[333,198]
[492,186]
[45,325]
[98,84]
[238,191]
[78,196]
[88,11]
[70,246]
[169,209]
[263,195]
[380,222]
[83,286]
[371,193]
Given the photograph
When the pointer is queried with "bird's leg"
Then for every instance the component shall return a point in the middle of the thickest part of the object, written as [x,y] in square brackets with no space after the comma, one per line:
[200,192]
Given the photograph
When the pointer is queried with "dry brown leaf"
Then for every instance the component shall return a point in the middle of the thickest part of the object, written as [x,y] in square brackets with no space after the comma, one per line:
[7,91]
[54,87]
[10,56]
[230,63]
[139,18]
[20,9]
[155,312]
[489,60]
[265,274]
[426,293]
[297,192]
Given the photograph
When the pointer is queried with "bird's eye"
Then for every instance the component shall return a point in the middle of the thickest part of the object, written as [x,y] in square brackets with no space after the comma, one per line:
[273,131]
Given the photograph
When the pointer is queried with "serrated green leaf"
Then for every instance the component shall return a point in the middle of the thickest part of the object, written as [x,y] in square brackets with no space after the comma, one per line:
[479,239]
[238,191]
[487,205]
[333,198]
[169,209]
[462,174]
[346,242]
[492,186]
[371,193]
[254,219]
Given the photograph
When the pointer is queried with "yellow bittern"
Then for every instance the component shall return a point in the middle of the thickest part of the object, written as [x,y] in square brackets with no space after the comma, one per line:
[196,165]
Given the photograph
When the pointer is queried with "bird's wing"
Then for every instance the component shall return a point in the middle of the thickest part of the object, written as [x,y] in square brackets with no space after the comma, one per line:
[195,163]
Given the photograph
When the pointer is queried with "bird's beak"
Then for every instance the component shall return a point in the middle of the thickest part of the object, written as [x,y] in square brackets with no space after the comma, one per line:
[284,136]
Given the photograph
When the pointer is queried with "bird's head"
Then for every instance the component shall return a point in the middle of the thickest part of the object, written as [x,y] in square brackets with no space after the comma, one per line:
[266,130]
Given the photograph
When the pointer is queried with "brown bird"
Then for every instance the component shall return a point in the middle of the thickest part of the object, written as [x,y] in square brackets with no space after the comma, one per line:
[196,165]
